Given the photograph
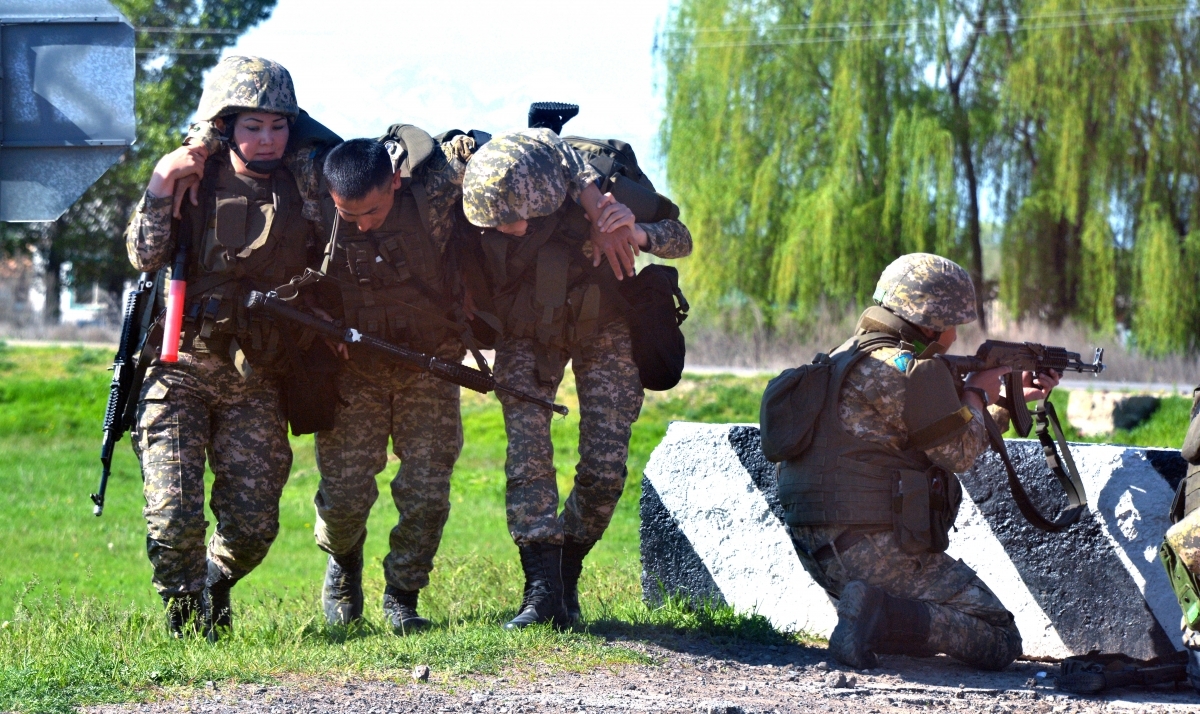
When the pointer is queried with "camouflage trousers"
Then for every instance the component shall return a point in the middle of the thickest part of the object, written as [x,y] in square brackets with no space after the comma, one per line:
[421,415]
[198,408]
[610,399]
[967,621]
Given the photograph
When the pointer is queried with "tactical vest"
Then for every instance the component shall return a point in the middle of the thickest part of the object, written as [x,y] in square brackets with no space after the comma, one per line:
[384,274]
[844,480]
[253,237]
[545,287]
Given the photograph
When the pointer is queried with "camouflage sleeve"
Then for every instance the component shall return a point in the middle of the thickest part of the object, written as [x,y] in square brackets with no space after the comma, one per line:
[148,239]
[668,239]
[959,454]
[458,152]
[871,407]
[205,134]
[442,181]
[305,166]
[577,172]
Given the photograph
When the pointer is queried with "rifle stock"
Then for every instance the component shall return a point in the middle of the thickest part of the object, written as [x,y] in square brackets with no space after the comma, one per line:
[453,372]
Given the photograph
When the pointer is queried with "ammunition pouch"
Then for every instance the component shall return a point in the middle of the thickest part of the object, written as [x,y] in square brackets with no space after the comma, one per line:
[924,506]
[1180,555]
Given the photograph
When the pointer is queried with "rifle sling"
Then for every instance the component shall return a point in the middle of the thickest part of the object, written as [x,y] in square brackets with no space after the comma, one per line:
[1070,481]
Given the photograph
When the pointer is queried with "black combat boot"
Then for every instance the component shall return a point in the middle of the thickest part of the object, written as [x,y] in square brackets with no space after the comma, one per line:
[905,628]
[186,615]
[216,594]
[342,596]
[543,601]
[400,609]
[860,617]
[573,553]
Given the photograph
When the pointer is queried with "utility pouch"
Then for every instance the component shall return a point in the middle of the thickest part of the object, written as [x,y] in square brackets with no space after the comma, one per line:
[310,391]
[910,507]
[1182,541]
[790,406]
[656,309]
[924,506]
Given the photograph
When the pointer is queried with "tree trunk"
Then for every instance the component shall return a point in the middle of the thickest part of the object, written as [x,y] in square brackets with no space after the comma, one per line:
[52,310]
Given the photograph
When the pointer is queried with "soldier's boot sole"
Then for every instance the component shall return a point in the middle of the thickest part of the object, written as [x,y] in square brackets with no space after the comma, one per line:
[860,611]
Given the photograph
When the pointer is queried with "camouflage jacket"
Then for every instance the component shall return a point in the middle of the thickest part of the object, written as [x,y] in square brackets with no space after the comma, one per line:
[871,407]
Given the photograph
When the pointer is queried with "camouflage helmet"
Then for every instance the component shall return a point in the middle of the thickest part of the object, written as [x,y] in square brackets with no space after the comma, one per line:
[928,291]
[248,84]
[513,177]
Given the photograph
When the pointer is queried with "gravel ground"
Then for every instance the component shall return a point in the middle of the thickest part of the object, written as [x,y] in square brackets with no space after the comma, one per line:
[689,675]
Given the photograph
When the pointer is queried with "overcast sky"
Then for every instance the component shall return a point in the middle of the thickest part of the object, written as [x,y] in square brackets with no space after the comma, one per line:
[361,65]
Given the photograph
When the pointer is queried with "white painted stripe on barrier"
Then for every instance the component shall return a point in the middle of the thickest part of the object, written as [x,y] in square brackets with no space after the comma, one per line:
[976,545]
[750,556]
[1131,501]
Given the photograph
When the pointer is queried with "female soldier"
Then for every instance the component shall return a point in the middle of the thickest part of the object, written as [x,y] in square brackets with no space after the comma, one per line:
[220,398]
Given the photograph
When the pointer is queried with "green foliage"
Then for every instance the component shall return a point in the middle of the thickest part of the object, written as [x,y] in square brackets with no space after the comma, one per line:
[84,624]
[811,142]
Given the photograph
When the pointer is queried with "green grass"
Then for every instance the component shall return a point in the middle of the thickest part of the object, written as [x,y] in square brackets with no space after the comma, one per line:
[80,623]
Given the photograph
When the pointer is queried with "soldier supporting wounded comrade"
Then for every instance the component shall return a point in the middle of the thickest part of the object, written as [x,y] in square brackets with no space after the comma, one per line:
[897,412]
[557,302]
[221,400]
[396,202]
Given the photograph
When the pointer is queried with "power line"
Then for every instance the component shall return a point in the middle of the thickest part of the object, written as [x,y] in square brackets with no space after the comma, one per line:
[184,30]
[1082,14]
[177,51]
[930,29]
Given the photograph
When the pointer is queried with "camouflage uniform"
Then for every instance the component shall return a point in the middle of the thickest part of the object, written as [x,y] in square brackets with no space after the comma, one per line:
[1183,538]
[419,412]
[527,175]
[966,620]
[202,407]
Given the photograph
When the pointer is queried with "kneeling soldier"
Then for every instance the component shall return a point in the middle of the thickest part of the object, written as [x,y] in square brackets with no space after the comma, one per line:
[222,397]
[897,419]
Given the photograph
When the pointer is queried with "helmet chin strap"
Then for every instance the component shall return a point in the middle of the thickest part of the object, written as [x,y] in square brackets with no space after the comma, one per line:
[258,167]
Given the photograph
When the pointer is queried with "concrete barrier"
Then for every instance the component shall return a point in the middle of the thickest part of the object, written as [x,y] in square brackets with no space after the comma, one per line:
[712,530]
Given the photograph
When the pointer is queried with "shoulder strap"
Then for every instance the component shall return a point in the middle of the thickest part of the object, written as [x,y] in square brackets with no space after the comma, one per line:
[1069,479]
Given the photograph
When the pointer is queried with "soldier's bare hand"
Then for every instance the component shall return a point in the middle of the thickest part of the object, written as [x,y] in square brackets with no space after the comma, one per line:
[1039,387]
[989,381]
[618,247]
[615,215]
[170,169]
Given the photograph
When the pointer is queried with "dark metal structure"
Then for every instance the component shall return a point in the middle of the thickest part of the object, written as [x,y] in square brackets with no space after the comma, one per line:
[66,101]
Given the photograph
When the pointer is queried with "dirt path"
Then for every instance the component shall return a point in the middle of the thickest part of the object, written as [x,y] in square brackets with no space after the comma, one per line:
[689,675]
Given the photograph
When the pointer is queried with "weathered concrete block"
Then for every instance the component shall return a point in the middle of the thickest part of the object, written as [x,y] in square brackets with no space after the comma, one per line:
[1098,412]
[712,529]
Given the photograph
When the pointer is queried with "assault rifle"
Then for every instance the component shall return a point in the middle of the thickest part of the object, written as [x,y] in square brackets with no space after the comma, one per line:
[1038,359]
[458,374]
[128,368]
[1022,357]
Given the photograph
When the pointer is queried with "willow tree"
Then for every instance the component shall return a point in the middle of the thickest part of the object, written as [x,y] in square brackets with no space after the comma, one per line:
[1100,108]
[811,143]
